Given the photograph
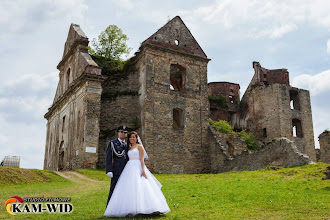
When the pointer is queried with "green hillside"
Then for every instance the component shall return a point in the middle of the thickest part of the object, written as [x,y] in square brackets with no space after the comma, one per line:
[12,176]
[272,193]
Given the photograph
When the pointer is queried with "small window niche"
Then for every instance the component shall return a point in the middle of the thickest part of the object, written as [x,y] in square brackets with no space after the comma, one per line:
[177,77]
[264,132]
[294,100]
[265,77]
[63,123]
[296,128]
[178,118]
[67,79]
[231,99]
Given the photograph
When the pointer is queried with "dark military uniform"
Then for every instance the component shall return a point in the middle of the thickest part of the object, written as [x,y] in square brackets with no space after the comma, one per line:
[115,161]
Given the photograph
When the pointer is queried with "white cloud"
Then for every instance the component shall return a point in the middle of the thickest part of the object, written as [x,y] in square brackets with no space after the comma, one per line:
[33,82]
[321,119]
[26,99]
[23,103]
[282,30]
[328,45]
[19,16]
[316,84]
[257,19]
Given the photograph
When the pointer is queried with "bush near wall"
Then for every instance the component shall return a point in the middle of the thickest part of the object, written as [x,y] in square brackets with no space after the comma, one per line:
[224,127]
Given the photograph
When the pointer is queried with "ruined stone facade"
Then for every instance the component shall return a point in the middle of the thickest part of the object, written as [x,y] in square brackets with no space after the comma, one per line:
[73,119]
[227,110]
[164,96]
[271,108]
[280,152]
[324,140]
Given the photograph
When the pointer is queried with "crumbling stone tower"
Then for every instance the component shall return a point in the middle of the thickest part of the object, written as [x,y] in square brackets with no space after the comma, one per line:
[173,99]
[271,108]
[162,95]
[324,140]
[226,105]
[73,119]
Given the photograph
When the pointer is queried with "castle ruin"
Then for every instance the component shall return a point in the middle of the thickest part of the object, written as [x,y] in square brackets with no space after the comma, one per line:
[164,96]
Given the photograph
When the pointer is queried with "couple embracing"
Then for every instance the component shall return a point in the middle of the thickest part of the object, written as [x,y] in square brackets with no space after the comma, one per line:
[134,189]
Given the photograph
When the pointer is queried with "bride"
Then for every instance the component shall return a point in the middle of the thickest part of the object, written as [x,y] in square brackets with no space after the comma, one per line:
[137,190]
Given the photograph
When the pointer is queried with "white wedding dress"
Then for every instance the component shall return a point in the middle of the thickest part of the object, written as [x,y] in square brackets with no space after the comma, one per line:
[134,194]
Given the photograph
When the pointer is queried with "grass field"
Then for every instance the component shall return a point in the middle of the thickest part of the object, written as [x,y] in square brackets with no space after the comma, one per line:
[285,193]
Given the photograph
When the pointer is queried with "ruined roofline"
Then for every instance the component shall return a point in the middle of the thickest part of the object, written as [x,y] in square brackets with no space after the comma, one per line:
[150,40]
[224,83]
[296,88]
[267,76]
[170,50]
[256,64]
[75,38]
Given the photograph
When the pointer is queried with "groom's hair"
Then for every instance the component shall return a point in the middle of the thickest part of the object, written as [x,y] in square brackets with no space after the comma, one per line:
[130,134]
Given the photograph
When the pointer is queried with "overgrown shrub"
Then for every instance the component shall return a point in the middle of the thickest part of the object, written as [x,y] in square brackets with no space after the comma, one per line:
[218,100]
[249,140]
[222,126]
[225,127]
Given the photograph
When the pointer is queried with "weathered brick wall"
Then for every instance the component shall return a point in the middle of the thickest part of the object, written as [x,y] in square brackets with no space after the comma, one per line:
[230,92]
[324,140]
[78,119]
[174,150]
[223,148]
[73,119]
[270,115]
[267,76]
[281,152]
[119,106]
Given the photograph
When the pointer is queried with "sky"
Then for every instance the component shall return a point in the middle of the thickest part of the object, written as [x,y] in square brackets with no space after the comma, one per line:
[291,34]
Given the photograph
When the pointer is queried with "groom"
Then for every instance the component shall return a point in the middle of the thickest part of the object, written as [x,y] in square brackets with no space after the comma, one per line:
[116,157]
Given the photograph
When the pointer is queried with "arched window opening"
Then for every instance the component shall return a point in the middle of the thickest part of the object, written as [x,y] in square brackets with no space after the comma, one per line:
[296,128]
[264,132]
[291,104]
[63,123]
[231,99]
[177,77]
[294,99]
[67,77]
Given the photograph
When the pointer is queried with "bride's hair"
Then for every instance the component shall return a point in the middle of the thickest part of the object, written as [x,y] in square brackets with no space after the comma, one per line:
[130,134]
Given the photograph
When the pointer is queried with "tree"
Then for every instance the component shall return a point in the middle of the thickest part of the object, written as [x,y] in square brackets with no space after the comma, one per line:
[111,44]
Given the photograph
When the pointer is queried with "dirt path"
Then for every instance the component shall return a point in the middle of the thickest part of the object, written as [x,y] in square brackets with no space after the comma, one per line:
[75,176]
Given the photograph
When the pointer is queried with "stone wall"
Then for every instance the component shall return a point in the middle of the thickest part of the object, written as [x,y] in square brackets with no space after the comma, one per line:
[281,152]
[280,76]
[231,95]
[324,140]
[119,106]
[269,115]
[173,149]
[73,118]
[223,147]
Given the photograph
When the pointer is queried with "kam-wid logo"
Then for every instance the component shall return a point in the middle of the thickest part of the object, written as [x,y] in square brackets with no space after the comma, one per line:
[10,200]
[16,204]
